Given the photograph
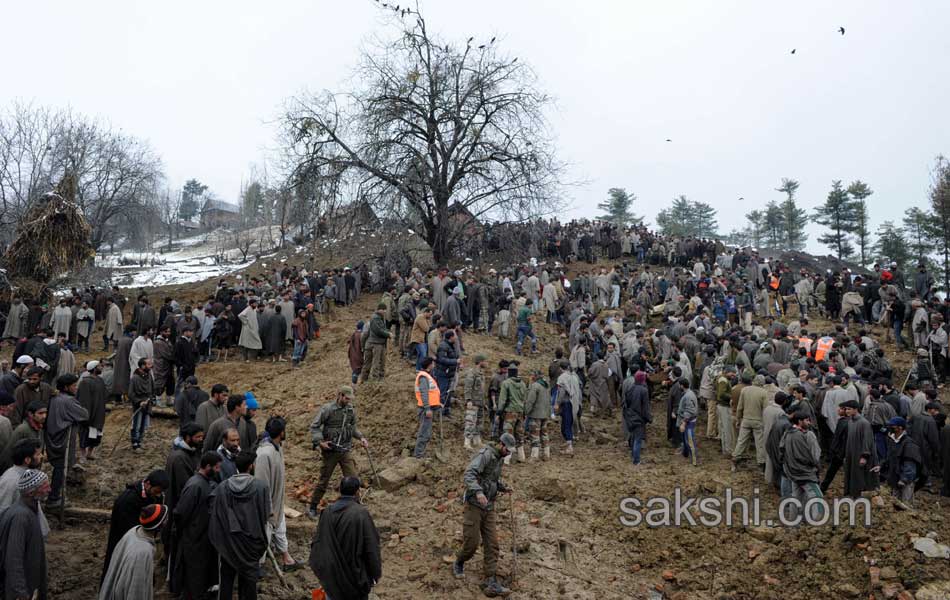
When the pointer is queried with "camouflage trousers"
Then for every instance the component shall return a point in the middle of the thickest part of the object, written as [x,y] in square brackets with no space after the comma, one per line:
[514,424]
[472,424]
[538,432]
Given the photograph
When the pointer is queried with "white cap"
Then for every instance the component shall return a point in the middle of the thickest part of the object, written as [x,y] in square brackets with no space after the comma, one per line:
[24,360]
[91,365]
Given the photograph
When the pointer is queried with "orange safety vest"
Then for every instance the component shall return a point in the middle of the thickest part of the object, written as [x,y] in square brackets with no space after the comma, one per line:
[435,397]
[823,347]
[805,342]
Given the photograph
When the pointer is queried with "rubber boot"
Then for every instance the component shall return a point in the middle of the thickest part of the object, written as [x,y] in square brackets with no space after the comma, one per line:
[493,589]
[507,459]
[477,441]
[535,454]
[468,443]
[547,453]
[521,454]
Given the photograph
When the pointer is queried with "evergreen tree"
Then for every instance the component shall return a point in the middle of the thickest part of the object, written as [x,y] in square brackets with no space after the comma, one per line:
[794,219]
[774,225]
[685,218]
[617,208]
[191,195]
[940,205]
[838,215]
[675,220]
[891,245]
[704,223]
[252,203]
[756,227]
[860,191]
[917,228]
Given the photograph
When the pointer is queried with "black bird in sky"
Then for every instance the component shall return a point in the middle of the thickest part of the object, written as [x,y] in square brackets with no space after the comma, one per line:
[793,50]
[841,30]
[669,140]
[482,47]
[741,199]
[492,41]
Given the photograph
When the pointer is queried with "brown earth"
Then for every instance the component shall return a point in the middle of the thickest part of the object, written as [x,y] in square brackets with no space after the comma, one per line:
[572,544]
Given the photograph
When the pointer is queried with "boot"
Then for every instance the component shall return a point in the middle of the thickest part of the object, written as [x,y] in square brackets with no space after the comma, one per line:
[568,449]
[507,459]
[494,589]
[477,441]
[521,454]
[547,453]
[535,454]
[468,443]
[458,569]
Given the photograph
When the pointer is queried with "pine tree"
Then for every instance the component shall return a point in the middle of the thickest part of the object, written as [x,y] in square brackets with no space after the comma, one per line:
[252,206]
[859,191]
[192,191]
[617,208]
[685,218]
[675,220]
[917,227]
[774,225]
[756,227]
[891,245]
[940,205]
[704,223]
[838,215]
[794,219]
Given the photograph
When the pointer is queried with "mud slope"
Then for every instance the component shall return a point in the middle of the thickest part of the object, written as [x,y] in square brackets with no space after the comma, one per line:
[566,511]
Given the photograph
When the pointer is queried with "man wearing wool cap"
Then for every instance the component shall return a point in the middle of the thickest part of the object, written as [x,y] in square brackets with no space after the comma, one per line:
[23,552]
[131,568]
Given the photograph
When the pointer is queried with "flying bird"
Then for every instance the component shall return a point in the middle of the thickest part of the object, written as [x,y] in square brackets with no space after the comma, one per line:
[482,47]
[793,50]
[741,199]
[492,41]
[841,30]
[515,60]
[669,140]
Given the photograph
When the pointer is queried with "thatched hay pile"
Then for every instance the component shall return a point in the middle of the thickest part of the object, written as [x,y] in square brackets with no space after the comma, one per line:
[52,238]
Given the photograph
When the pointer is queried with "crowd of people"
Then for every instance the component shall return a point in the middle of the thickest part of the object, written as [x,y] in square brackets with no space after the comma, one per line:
[639,326]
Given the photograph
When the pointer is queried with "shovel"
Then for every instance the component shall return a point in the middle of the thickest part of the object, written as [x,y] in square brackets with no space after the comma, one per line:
[372,466]
[440,454]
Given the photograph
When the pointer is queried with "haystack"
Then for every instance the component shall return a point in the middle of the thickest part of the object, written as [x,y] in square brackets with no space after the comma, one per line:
[52,239]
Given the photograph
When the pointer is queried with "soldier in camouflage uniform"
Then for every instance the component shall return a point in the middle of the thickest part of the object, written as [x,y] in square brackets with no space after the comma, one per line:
[537,410]
[473,384]
[333,431]
[511,405]
[482,485]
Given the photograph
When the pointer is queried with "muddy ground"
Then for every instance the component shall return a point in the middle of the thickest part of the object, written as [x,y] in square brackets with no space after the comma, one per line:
[566,511]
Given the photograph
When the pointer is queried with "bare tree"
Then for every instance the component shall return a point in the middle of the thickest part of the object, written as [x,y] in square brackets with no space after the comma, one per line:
[242,240]
[167,205]
[115,174]
[430,125]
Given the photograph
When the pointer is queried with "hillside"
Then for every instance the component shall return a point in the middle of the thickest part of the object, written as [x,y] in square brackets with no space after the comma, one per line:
[566,511]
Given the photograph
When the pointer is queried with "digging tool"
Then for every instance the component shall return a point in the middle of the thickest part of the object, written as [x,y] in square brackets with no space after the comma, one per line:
[440,453]
[119,437]
[372,465]
[514,538]
[906,379]
[62,492]
[277,569]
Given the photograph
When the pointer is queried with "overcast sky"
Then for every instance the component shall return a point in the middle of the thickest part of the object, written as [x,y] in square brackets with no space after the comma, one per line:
[202,81]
